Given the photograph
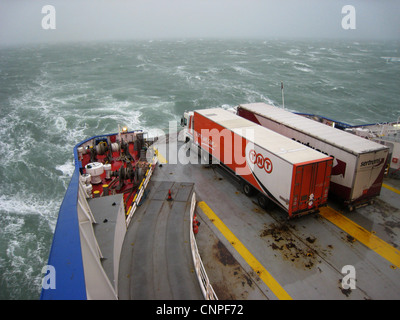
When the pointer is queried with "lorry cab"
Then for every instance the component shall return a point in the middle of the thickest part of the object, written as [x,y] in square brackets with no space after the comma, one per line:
[187,117]
[187,124]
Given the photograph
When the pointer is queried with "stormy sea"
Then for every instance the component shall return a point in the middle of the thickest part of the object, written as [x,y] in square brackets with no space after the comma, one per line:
[54,96]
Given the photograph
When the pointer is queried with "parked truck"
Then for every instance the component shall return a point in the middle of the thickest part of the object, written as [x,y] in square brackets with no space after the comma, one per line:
[268,164]
[358,166]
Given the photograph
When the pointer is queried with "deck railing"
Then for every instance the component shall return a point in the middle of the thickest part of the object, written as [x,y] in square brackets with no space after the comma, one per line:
[140,192]
[205,285]
[98,285]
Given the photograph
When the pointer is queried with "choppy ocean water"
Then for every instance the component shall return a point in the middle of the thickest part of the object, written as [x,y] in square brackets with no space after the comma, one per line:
[53,96]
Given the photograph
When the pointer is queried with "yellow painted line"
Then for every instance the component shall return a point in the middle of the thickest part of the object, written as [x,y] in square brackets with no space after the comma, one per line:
[390,188]
[245,253]
[364,236]
[160,157]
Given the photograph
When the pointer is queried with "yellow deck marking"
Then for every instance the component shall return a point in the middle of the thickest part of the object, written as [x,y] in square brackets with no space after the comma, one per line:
[390,188]
[245,253]
[160,157]
[364,236]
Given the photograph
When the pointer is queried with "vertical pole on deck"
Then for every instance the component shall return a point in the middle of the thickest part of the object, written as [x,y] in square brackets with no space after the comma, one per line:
[283,98]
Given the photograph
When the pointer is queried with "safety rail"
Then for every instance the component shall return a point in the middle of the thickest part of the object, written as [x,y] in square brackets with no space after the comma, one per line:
[140,192]
[98,285]
[205,285]
[388,128]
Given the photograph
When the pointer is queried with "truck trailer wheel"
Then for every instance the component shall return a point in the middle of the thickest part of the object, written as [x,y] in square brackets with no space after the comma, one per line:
[206,158]
[248,189]
[263,201]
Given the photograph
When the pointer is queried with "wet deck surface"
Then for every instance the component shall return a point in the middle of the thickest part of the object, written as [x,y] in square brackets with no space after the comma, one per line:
[305,256]
[156,260]
[105,210]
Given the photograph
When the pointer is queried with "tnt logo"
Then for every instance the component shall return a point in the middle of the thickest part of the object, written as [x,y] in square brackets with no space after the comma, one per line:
[260,160]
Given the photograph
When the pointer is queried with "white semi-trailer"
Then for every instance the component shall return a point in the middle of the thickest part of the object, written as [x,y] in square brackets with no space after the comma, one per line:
[358,166]
[282,170]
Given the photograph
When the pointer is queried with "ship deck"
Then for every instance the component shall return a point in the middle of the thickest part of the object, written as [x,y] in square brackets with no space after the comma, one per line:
[247,252]
[251,253]
[156,260]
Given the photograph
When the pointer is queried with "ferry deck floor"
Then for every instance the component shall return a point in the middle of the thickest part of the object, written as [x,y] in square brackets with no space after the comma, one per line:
[251,253]
[156,261]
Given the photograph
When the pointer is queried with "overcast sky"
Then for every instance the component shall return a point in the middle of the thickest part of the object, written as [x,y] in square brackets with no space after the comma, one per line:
[21,20]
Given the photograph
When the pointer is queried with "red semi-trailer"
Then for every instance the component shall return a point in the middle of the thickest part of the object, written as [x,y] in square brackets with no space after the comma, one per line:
[279,169]
[358,166]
